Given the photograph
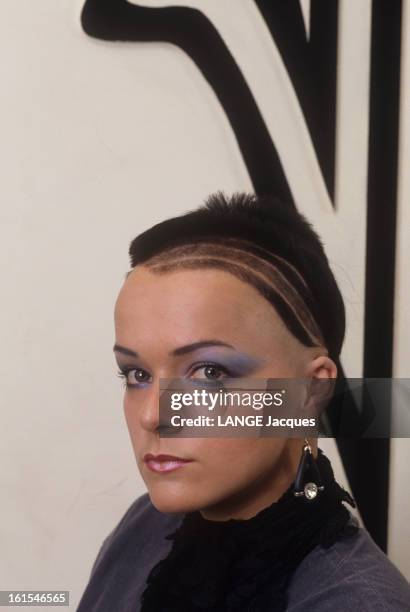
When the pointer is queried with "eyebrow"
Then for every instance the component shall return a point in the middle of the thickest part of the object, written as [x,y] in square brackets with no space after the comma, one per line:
[126,351]
[182,350]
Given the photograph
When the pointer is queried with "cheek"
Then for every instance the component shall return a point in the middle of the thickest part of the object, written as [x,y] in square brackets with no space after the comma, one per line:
[237,463]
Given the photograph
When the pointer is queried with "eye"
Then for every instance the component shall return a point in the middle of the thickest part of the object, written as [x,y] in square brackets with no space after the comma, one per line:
[210,371]
[134,377]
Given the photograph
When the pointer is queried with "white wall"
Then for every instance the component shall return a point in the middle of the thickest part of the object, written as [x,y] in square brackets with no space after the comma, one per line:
[100,141]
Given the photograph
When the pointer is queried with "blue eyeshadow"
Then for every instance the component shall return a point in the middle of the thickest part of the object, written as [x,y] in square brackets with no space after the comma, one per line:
[239,364]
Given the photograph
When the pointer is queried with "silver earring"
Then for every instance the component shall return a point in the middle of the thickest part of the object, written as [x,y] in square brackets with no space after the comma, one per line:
[311,488]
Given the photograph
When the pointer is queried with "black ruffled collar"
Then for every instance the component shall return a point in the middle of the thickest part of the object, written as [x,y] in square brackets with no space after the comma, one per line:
[238,565]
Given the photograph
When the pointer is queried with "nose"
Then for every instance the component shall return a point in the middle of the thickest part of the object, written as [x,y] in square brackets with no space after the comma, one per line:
[148,412]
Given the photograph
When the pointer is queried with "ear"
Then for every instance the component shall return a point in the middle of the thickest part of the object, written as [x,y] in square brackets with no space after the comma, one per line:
[321,367]
[322,372]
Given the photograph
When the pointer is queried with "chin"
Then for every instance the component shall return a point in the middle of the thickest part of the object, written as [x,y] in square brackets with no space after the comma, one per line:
[165,500]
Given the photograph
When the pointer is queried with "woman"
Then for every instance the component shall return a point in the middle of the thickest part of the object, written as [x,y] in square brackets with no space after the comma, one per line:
[239,288]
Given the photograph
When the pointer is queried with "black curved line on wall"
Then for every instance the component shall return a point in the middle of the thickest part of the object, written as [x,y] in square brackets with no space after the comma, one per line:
[312,67]
[189,29]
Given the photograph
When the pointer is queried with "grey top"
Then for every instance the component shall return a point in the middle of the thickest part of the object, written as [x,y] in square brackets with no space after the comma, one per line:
[354,574]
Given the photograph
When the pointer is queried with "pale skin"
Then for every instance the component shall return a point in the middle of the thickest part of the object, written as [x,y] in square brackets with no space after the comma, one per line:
[158,313]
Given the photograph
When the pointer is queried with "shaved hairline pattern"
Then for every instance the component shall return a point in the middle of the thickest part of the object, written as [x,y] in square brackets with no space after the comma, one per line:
[273,277]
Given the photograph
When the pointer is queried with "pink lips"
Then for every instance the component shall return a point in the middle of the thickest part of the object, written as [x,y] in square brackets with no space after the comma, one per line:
[164,463]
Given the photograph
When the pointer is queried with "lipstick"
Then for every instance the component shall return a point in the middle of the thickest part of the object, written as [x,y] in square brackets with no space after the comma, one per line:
[164,463]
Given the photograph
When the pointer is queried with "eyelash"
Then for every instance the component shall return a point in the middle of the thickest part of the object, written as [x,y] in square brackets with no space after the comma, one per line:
[123,373]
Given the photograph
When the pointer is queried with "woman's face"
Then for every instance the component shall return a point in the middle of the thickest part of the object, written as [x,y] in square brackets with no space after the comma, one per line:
[159,318]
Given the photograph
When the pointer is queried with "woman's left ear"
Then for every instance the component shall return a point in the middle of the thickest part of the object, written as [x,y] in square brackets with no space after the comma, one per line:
[322,372]
[321,367]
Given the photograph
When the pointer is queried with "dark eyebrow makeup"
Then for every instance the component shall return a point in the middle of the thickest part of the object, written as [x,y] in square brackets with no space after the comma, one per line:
[238,362]
[189,348]
[182,350]
[125,351]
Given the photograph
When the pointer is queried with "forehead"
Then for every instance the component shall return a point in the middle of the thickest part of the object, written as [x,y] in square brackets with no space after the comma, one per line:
[203,300]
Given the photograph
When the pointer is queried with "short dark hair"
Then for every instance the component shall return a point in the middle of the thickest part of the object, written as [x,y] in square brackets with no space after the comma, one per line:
[273,230]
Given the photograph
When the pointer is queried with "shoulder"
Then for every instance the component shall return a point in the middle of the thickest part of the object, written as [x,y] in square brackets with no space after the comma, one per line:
[353,574]
[141,520]
[126,555]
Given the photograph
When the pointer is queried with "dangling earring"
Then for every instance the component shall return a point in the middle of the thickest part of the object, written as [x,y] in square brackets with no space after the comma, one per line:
[307,463]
